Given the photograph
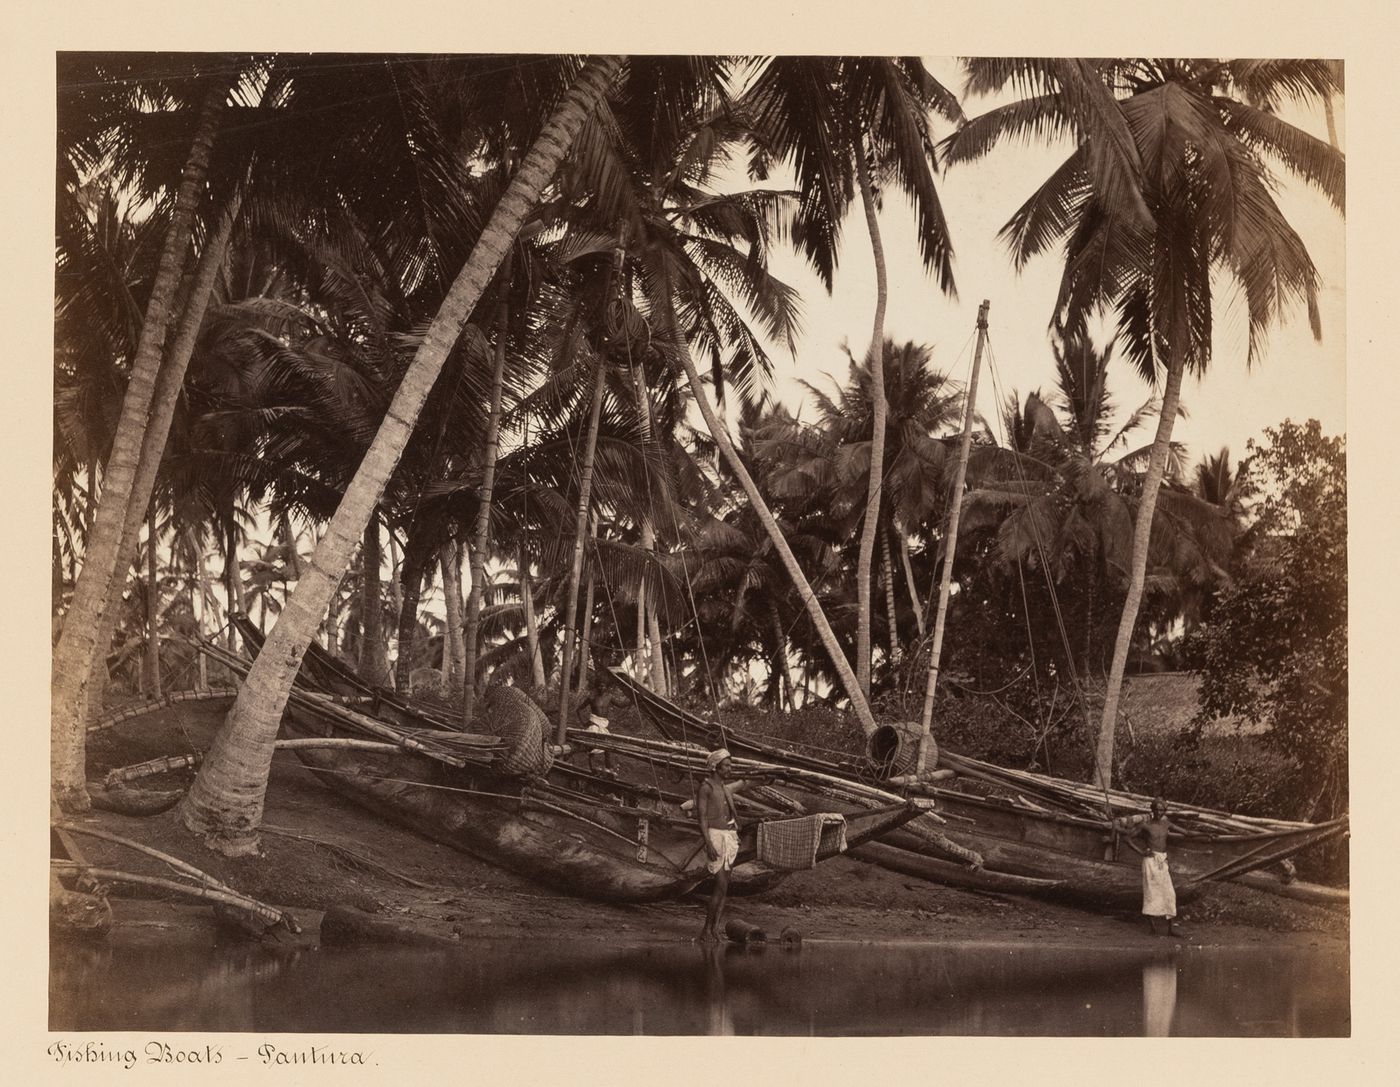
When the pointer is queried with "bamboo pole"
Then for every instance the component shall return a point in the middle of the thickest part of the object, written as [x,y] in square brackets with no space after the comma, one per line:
[206,881]
[951,543]
[580,533]
[269,914]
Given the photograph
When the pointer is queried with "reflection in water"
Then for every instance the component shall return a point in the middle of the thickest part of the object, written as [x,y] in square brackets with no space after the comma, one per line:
[568,987]
[720,1024]
[1158,998]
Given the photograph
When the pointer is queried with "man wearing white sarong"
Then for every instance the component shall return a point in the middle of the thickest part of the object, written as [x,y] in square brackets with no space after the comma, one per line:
[719,829]
[593,714]
[1158,893]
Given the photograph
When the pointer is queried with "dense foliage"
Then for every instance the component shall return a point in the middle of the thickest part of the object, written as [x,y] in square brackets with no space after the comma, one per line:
[1274,649]
[553,506]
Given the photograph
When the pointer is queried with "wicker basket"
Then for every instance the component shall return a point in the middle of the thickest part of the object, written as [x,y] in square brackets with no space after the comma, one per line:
[507,712]
[894,748]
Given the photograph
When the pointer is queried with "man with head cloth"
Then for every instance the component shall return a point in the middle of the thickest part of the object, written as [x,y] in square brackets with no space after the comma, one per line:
[719,827]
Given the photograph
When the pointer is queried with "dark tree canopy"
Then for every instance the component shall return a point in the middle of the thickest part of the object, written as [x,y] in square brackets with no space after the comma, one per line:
[1275,649]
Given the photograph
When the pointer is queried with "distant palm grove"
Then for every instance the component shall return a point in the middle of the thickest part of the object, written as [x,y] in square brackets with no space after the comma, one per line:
[458,366]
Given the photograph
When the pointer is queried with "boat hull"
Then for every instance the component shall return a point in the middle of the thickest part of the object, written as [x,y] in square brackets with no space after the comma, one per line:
[1064,856]
[547,835]
[748,877]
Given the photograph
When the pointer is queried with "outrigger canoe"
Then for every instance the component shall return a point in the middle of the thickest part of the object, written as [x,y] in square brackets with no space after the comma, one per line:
[605,843]
[567,838]
[1055,853]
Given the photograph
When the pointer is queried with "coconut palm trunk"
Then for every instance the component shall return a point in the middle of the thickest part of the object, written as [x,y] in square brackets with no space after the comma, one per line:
[914,603]
[151,659]
[395,574]
[642,653]
[90,507]
[79,646]
[481,536]
[661,682]
[585,654]
[453,650]
[532,627]
[233,578]
[661,678]
[411,573]
[870,527]
[887,576]
[374,653]
[292,560]
[1142,536]
[164,400]
[225,804]
[780,659]
[204,594]
[681,354]
[585,487]
[648,627]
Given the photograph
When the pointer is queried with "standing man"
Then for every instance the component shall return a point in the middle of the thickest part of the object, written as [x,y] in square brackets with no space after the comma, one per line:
[719,827]
[593,714]
[1158,894]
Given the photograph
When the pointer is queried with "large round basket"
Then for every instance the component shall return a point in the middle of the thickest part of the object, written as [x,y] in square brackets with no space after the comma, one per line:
[507,712]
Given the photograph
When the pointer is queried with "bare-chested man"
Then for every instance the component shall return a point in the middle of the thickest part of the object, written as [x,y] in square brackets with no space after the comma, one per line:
[719,827]
[593,713]
[1158,894]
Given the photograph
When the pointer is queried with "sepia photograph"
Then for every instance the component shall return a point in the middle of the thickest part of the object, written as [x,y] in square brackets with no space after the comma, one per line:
[653,544]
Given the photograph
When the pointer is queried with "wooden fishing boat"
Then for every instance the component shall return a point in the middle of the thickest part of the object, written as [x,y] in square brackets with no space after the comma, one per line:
[594,813]
[568,838]
[1067,855]
[636,784]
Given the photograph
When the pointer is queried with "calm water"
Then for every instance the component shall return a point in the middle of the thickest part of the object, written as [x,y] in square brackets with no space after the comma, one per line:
[547,987]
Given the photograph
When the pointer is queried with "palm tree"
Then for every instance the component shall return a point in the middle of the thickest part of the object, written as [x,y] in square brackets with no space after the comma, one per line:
[225,802]
[748,610]
[481,534]
[679,236]
[846,124]
[78,645]
[1207,519]
[829,460]
[1166,195]
[1058,499]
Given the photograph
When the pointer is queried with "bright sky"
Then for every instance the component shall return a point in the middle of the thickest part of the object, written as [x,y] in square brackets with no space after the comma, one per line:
[1297,377]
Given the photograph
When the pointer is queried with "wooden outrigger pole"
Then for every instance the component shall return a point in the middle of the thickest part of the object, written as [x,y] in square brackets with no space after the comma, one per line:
[951,544]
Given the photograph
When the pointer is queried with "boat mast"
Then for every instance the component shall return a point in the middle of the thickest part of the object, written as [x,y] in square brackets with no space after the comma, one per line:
[951,543]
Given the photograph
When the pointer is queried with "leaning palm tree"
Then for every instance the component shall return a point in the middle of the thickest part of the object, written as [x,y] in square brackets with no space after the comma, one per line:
[1166,197]
[121,509]
[225,803]
[847,124]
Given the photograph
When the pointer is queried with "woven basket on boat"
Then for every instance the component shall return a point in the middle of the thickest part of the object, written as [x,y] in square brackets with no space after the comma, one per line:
[893,749]
[507,712]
